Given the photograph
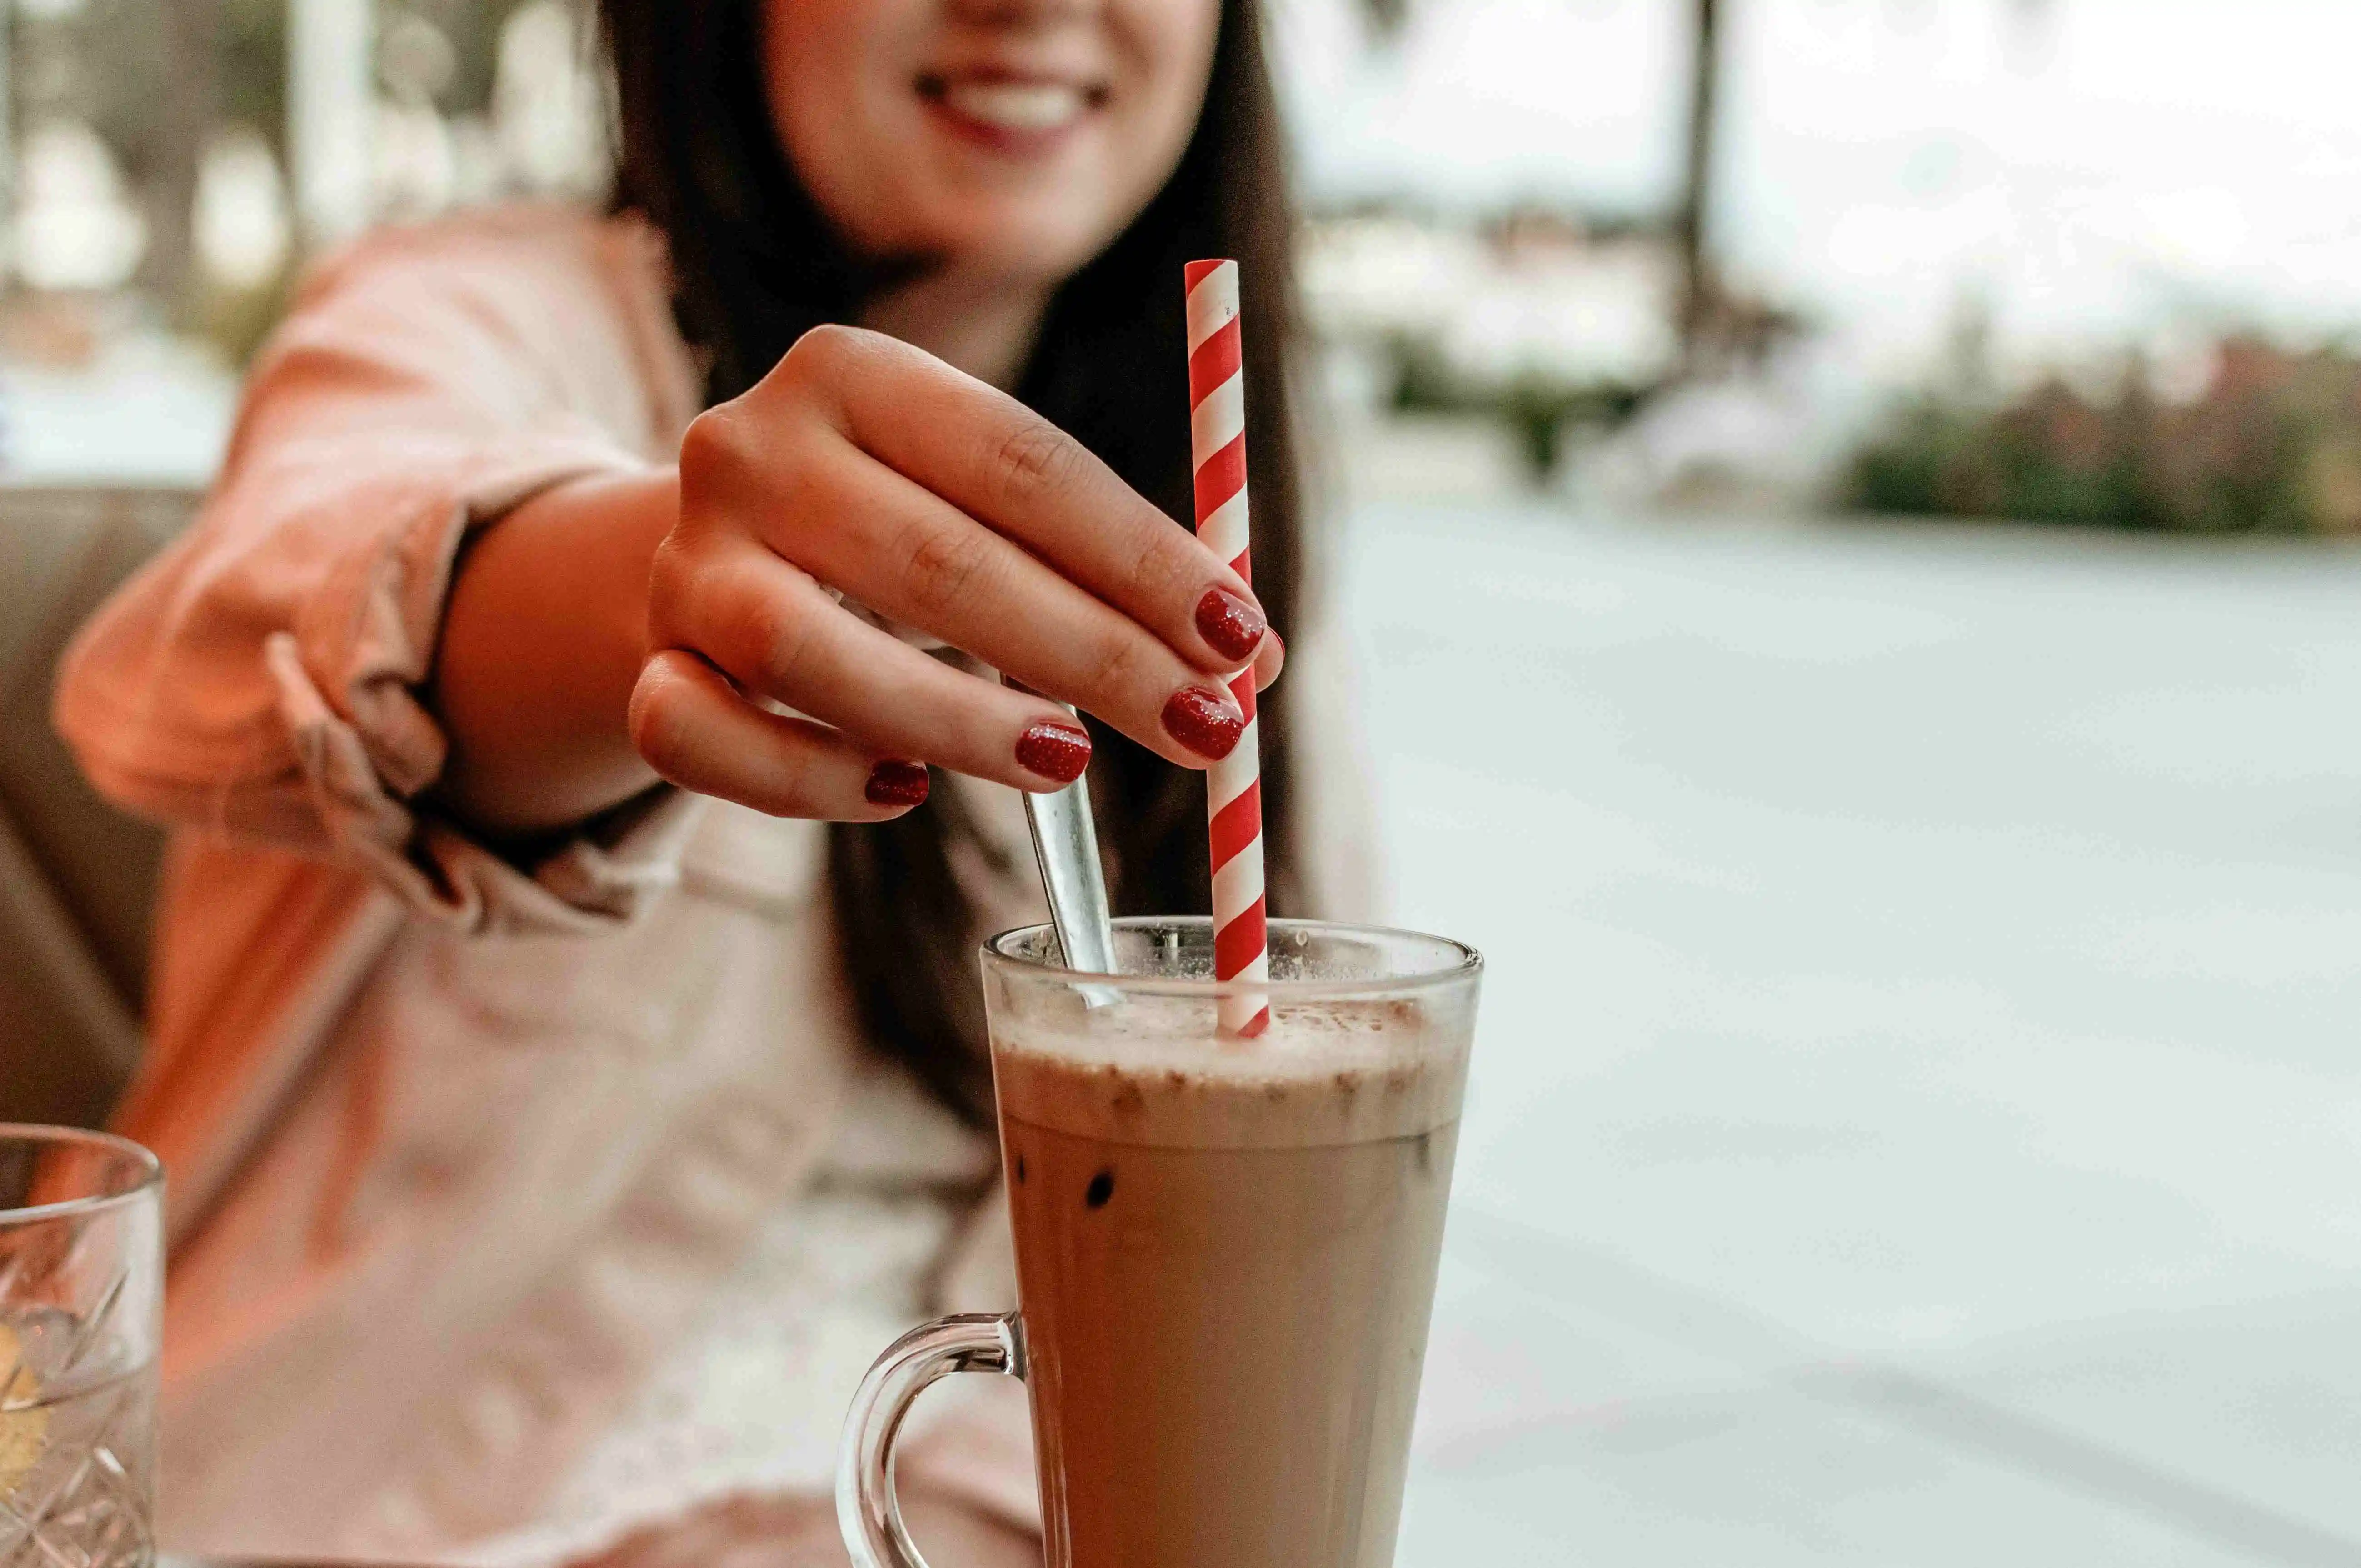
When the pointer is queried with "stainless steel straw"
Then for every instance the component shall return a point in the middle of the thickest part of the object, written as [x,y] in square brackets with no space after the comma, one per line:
[1066,842]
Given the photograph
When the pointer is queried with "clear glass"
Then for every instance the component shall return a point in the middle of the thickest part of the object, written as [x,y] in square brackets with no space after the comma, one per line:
[82,1291]
[1226,1249]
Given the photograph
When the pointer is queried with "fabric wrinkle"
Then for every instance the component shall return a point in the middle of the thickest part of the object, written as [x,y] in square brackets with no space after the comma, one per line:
[483,1164]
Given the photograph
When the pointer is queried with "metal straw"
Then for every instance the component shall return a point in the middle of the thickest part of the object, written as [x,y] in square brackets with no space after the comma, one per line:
[1066,843]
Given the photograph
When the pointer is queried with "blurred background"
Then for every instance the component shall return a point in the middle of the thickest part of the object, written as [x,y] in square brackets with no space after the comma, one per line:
[2092,261]
[1868,480]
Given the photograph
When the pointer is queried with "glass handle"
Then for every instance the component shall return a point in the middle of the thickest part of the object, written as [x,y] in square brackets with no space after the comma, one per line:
[867,1509]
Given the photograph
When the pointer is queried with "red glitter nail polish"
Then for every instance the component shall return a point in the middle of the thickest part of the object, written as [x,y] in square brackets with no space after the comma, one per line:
[897,783]
[1059,752]
[1230,626]
[1205,721]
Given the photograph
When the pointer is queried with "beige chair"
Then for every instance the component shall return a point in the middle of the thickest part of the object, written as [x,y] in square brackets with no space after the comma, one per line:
[77,877]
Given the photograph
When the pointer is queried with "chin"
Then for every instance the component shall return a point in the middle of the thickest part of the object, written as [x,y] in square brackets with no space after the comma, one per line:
[995,237]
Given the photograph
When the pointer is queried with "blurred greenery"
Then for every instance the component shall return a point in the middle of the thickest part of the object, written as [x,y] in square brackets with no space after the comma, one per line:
[254,68]
[1538,407]
[106,62]
[2271,444]
[158,79]
[237,321]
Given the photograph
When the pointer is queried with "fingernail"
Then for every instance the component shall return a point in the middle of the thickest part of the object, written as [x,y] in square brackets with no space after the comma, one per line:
[896,784]
[1058,752]
[1205,721]
[1230,626]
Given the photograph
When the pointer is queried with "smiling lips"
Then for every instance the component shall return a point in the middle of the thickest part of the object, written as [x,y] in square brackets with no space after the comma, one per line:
[1010,111]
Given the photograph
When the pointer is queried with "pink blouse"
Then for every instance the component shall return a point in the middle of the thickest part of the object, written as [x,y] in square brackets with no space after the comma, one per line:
[459,1149]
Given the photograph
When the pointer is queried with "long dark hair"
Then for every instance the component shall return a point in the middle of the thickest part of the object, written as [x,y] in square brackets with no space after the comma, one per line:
[756,264]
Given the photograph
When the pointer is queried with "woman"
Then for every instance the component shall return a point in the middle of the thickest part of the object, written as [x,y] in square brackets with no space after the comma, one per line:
[558,1115]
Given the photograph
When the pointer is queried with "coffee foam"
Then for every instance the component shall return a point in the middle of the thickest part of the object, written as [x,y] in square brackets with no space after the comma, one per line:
[1152,1071]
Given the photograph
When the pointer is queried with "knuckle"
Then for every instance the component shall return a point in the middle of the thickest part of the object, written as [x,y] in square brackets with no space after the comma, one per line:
[654,717]
[1122,666]
[821,353]
[689,580]
[1164,565]
[745,472]
[943,568]
[671,573]
[712,450]
[1033,458]
[773,637]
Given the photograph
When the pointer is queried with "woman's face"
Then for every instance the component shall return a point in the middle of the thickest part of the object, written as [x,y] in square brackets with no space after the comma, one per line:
[1010,138]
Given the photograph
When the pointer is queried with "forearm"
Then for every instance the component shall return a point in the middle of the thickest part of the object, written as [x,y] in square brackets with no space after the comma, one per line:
[541,646]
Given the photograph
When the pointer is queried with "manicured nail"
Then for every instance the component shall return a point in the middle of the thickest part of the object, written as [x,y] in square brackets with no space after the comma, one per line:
[1058,752]
[1230,626]
[1205,721]
[896,784]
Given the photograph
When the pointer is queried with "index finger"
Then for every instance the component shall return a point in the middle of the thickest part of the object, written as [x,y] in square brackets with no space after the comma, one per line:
[1012,470]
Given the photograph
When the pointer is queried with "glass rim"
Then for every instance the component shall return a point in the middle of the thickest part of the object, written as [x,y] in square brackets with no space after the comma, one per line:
[1467,965]
[150,1169]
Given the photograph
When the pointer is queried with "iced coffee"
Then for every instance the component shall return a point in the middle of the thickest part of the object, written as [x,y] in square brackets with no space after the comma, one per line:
[1226,1248]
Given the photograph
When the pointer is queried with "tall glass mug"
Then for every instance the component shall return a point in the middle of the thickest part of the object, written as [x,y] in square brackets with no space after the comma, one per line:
[82,1291]
[1226,1249]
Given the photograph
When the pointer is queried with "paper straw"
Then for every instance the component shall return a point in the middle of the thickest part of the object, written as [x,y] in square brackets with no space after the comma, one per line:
[1217,455]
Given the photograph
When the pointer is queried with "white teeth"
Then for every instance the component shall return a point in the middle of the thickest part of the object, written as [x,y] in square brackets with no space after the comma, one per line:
[1015,105]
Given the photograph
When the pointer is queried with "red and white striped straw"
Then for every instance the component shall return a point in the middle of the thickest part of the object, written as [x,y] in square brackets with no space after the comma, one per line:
[1218,455]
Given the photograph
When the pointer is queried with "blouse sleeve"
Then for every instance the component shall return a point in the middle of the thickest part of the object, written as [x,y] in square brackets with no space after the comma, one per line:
[261,677]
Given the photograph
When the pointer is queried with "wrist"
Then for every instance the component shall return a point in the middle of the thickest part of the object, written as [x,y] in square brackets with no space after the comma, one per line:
[543,639]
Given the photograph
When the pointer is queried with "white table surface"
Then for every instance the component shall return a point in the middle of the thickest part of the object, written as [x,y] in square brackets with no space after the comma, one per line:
[1918,1117]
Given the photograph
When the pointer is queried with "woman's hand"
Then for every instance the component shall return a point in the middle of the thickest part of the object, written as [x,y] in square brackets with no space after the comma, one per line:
[865,468]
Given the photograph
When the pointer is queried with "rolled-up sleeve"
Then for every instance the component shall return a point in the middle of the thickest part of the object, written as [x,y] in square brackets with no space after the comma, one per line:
[262,677]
